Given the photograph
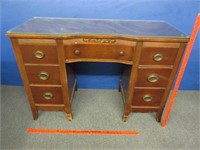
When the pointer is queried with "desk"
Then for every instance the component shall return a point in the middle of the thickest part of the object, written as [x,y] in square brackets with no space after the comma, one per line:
[47,48]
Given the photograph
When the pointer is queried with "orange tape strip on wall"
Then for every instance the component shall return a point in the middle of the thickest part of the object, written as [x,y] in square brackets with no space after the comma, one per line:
[51,131]
[182,69]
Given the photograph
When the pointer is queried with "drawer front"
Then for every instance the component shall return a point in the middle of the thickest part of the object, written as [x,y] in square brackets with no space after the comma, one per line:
[99,40]
[47,95]
[147,97]
[152,77]
[39,54]
[158,56]
[99,51]
[43,74]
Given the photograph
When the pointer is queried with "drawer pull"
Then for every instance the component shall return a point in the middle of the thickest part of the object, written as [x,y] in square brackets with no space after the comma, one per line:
[153,78]
[77,52]
[48,95]
[39,54]
[158,57]
[43,75]
[147,98]
[121,53]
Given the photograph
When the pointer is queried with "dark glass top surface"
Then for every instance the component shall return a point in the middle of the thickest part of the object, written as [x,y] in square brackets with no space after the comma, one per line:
[72,26]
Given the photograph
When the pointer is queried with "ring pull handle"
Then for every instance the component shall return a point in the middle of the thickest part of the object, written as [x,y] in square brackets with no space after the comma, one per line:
[121,53]
[48,95]
[158,57]
[77,52]
[147,98]
[39,54]
[43,75]
[153,78]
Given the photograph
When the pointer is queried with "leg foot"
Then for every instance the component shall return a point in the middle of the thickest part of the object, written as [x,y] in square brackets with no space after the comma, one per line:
[119,87]
[76,87]
[35,114]
[69,117]
[124,118]
[158,117]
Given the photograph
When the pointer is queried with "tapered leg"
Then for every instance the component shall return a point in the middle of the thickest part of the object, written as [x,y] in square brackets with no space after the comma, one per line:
[119,87]
[159,115]
[69,117]
[76,87]
[34,114]
[125,117]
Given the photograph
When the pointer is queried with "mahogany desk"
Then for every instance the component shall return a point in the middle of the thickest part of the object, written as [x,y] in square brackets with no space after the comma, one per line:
[47,48]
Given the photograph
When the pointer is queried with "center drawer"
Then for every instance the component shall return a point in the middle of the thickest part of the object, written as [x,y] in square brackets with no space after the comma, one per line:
[81,50]
[99,51]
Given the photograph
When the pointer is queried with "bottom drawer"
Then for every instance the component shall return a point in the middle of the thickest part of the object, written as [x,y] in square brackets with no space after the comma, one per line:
[47,95]
[147,97]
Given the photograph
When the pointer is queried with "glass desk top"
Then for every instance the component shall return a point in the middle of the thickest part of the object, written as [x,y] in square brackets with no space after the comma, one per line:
[72,26]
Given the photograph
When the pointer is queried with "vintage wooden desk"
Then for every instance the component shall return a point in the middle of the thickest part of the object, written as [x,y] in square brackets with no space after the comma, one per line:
[47,48]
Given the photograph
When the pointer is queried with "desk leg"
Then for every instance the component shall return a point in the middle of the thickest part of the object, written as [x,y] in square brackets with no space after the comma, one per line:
[159,114]
[119,87]
[124,118]
[130,76]
[22,70]
[69,116]
[124,88]
[65,77]
[34,114]
[76,87]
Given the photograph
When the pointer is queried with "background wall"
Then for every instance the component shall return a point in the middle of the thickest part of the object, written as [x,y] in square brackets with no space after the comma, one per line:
[179,13]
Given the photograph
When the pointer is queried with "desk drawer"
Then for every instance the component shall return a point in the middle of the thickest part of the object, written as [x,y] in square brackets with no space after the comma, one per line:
[152,77]
[39,54]
[158,53]
[147,97]
[99,51]
[47,95]
[158,56]
[43,74]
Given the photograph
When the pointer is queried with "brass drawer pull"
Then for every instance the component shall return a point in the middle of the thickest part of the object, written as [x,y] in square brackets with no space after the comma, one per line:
[147,98]
[153,78]
[158,57]
[77,52]
[43,75]
[39,54]
[48,95]
[121,53]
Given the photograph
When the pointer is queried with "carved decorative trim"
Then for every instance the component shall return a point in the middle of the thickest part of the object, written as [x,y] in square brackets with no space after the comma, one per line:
[98,40]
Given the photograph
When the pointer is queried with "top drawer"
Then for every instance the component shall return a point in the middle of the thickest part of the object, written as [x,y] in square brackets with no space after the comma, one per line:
[108,50]
[38,51]
[155,53]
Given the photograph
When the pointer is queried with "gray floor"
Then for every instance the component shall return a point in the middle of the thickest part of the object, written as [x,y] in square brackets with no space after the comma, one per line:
[98,110]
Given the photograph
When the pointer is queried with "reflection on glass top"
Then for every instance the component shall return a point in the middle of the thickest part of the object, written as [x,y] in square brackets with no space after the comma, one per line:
[64,26]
